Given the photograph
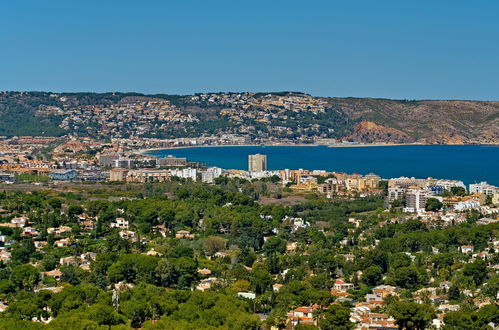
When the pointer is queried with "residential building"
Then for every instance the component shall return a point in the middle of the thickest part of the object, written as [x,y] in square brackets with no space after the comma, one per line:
[118,174]
[120,223]
[183,234]
[302,315]
[341,285]
[123,163]
[466,249]
[6,177]
[148,175]
[126,234]
[415,200]
[484,188]
[257,163]
[495,198]
[63,175]
[395,193]
[171,161]
[107,159]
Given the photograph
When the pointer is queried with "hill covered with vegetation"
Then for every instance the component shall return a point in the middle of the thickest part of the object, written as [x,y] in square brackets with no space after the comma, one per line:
[258,117]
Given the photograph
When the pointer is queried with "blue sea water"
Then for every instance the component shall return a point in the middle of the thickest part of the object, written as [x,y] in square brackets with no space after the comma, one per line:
[469,163]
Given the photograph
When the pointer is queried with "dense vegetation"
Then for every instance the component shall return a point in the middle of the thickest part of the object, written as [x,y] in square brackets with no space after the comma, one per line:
[126,287]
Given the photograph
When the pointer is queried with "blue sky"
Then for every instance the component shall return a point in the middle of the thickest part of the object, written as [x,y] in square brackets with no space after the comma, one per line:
[396,49]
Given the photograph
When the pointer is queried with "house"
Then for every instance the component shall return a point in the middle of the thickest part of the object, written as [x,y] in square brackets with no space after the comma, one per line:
[276,287]
[126,234]
[88,256]
[377,321]
[19,221]
[222,254]
[204,272]
[302,315]
[62,242]
[85,266]
[448,308]
[86,223]
[445,285]
[384,290]
[296,223]
[355,222]
[349,257]
[69,261]
[341,285]
[154,253]
[162,229]
[63,175]
[373,299]
[206,284]
[30,231]
[56,273]
[247,295]
[120,223]
[5,256]
[466,249]
[59,230]
[291,246]
[184,234]
[40,244]
[340,294]
[484,255]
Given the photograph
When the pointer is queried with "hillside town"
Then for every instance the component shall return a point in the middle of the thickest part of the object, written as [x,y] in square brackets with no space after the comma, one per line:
[303,247]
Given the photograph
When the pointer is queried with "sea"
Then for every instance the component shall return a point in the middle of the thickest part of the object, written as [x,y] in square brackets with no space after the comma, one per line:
[468,163]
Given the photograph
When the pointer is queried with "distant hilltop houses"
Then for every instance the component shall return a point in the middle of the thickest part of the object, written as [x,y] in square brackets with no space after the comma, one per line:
[243,118]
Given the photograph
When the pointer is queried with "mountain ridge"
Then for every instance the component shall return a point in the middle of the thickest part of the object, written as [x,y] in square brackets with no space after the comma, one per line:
[291,116]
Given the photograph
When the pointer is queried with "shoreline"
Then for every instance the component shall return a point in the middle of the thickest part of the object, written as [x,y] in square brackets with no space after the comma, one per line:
[363,145]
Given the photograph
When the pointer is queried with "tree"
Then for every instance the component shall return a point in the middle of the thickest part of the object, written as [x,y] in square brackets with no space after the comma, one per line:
[260,280]
[476,270]
[411,315]
[186,271]
[458,191]
[74,210]
[165,273]
[337,317]
[274,245]
[7,286]
[23,251]
[241,286]
[104,315]
[25,277]
[213,244]
[72,274]
[433,204]
[372,275]
[454,292]
[406,277]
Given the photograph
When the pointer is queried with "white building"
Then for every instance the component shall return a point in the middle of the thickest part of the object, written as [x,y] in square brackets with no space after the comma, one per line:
[448,184]
[466,205]
[120,223]
[484,188]
[415,200]
[210,174]
[185,173]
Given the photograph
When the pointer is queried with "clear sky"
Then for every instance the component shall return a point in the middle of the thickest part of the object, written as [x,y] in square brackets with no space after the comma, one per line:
[419,49]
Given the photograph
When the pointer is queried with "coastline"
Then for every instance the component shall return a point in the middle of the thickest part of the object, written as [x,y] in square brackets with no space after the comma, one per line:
[145,151]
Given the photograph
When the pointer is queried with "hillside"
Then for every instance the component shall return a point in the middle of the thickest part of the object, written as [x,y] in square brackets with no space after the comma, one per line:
[257,117]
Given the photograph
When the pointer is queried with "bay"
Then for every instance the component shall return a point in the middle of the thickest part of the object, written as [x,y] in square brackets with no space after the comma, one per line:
[469,163]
